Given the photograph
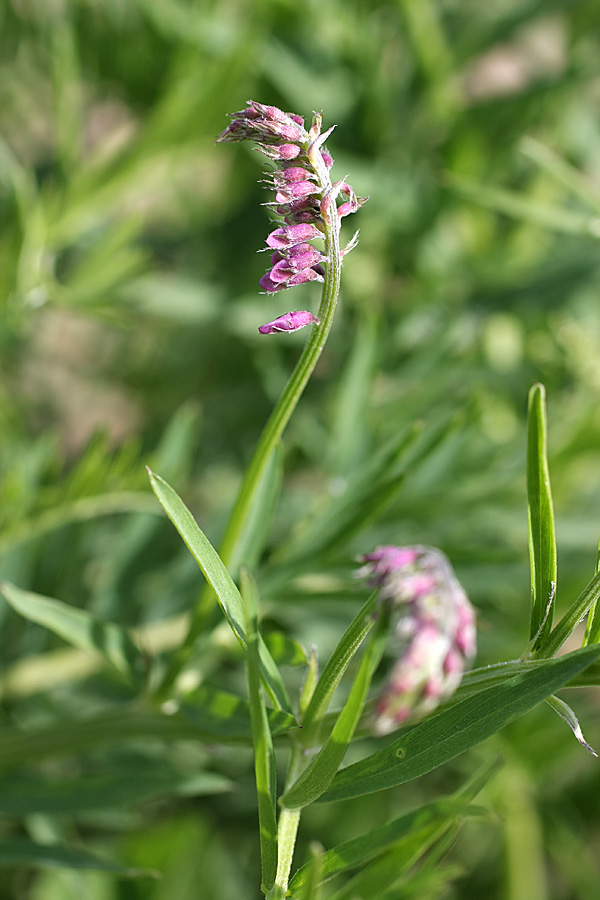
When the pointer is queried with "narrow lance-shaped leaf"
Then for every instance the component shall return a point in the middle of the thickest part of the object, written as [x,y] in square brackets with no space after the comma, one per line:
[318,776]
[540,516]
[419,822]
[309,683]
[219,579]
[264,757]
[412,830]
[310,889]
[592,629]
[571,619]
[79,628]
[336,666]
[565,712]
[456,729]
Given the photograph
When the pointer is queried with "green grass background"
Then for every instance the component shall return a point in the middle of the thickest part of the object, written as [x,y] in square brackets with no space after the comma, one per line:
[129,309]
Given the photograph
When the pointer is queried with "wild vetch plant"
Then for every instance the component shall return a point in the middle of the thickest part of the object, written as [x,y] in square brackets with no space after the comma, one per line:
[414,635]
[418,612]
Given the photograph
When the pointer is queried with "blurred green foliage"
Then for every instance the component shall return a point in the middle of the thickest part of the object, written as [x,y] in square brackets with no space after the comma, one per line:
[129,309]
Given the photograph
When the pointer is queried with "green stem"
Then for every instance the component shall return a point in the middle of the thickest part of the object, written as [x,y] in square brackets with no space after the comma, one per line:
[287,830]
[274,427]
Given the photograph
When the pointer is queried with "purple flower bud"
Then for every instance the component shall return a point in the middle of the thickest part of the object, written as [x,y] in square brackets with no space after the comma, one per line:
[270,286]
[296,191]
[290,235]
[435,629]
[277,152]
[292,174]
[301,256]
[291,321]
[284,271]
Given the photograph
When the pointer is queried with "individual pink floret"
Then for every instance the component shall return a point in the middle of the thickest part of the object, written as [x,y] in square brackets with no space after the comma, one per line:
[291,321]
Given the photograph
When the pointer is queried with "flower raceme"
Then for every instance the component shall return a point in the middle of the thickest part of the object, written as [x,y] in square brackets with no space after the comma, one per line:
[308,204]
[435,627]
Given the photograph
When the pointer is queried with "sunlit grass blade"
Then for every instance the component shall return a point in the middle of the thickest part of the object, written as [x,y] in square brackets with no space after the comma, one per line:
[79,628]
[456,729]
[336,666]
[264,758]
[219,579]
[571,619]
[565,712]
[318,776]
[540,517]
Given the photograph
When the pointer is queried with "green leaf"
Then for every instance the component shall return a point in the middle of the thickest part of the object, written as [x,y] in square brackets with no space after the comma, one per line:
[391,866]
[310,682]
[592,628]
[335,668]
[204,553]
[313,876]
[219,579]
[456,729]
[590,677]
[80,629]
[412,830]
[571,619]
[565,712]
[356,852]
[540,516]
[264,757]
[317,777]
[28,853]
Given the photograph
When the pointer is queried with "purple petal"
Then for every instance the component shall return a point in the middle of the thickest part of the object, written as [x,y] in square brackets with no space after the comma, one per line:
[291,321]
[290,235]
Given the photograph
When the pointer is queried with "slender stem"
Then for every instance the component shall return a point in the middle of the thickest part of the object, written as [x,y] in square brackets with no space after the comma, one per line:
[275,425]
[287,830]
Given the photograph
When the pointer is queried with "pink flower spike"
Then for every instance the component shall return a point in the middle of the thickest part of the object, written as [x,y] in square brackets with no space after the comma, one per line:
[291,321]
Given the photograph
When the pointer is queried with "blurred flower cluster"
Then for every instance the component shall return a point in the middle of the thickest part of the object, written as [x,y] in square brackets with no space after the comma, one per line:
[434,624]
[305,199]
